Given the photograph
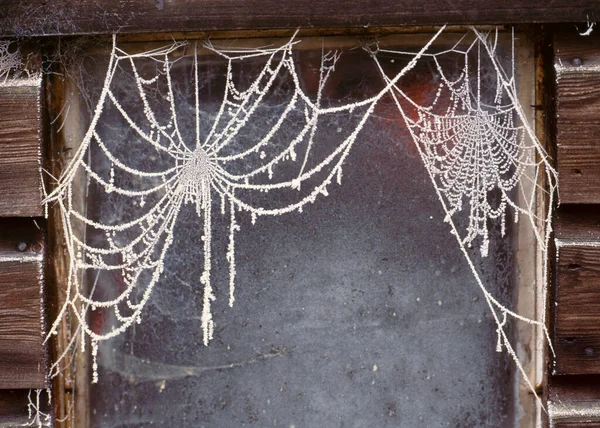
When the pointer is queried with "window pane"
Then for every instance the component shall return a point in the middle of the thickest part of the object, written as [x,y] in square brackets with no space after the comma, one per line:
[359,311]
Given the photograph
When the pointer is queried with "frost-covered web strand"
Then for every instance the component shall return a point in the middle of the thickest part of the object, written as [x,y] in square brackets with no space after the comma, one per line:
[472,148]
[544,165]
[36,417]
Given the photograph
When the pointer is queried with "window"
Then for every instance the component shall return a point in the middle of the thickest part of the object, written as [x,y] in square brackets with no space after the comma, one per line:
[360,309]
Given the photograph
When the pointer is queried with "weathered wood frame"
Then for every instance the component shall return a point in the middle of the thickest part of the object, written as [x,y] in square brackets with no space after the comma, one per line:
[19,18]
[574,390]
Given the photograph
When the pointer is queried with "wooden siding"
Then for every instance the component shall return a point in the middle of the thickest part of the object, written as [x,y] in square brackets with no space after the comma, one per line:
[13,408]
[20,180]
[68,17]
[577,293]
[22,358]
[573,402]
[577,65]
[574,384]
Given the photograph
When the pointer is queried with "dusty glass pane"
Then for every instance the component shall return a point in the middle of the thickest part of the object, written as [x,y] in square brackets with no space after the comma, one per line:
[358,312]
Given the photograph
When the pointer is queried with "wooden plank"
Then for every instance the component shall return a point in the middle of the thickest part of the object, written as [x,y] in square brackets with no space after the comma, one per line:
[576,327]
[13,407]
[574,401]
[20,178]
[22,354]
[62,17]
[577,64]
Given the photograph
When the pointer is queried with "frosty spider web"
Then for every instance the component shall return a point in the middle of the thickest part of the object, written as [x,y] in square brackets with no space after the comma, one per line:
[198,174]
[10,61]
[472,149]
[482,156]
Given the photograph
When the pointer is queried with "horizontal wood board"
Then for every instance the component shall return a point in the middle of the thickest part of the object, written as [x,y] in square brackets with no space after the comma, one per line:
[34,17]
[577,65]
[574,401]
[20,123]
[577,294]
[13,408]
[22,354]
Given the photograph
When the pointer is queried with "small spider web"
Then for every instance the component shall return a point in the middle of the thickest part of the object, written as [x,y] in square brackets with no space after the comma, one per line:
[482,157]
[10,60]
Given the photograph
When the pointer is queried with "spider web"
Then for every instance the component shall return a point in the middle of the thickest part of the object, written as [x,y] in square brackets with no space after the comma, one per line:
[481,154]
[9,60]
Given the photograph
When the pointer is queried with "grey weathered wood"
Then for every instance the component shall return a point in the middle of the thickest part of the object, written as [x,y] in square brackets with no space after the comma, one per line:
[20,137]
[574,401]
[34,17]
[22,354]
[577,64]
[576,320]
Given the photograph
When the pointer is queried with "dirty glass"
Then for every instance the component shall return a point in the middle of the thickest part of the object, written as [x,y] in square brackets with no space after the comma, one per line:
[360,311]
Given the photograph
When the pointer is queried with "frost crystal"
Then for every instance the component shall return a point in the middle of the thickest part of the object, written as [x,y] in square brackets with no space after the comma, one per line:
[38,418]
